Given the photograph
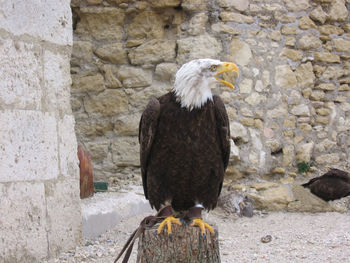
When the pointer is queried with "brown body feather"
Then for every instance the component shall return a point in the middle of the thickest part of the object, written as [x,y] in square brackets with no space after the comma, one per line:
[183,153]
[333,185]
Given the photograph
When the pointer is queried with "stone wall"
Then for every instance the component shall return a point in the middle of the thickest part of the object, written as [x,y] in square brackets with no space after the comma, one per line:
[39,175]
[292,104]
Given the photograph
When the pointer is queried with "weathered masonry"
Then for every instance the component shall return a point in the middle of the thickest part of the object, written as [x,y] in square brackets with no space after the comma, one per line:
[39,174]
[293,102]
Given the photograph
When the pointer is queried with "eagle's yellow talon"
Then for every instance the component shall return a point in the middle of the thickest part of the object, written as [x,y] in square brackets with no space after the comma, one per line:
[168,221]
[202,225]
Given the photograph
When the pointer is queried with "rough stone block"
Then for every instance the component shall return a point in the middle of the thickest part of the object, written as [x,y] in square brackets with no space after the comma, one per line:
[204,46]
[20,74]
[93,128]
[301,110]
[277,112]
[107,103]
[331,158]
[297,5]
[330,29]
[153,51]
[345,106]
[347,28]
[304,152]
[166,71]
[333,72]
[63,214]
[68,147]
[240,5]
[127,125]
[81,53]
[23,222]
[133,77]
[342,45]
[57,83]
[49,20]
[110,72]
[309,41]
[113,53]
[236,17]
[125,151]
[238,131]
[306,23]
[274,198]
[255,99]
[98,150]
[147,24]
[102,23]
[29,148]
[305,75]
[194,5]
[245,87]
[140,99]
[294,55]
[275,35]
[317,95]
[289,122]
[223,28]
[288,155]
[281,15]
[197,24]
[289,30]
[94,83]
[326,86]
[164,3]
[285,77]
[318,15]
[240,52]
[338,11]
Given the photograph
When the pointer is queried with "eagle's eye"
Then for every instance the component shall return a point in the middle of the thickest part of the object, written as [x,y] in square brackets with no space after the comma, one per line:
[213,68]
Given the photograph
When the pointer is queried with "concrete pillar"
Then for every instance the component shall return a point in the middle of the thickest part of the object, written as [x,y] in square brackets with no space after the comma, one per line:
[40,212]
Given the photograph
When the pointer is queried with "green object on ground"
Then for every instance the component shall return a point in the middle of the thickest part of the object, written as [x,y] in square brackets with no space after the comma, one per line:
[100,186]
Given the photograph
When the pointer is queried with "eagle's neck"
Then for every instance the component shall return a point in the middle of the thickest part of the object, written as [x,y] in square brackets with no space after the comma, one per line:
[193,92]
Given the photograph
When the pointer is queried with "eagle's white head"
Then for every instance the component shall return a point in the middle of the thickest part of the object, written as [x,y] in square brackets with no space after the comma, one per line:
[195,79]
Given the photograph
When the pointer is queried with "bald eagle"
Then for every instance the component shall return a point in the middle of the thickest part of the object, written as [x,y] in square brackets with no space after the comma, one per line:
[334,184]
[184,139]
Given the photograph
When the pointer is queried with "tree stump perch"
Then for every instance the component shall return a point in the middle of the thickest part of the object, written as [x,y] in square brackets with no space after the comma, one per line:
[186,245]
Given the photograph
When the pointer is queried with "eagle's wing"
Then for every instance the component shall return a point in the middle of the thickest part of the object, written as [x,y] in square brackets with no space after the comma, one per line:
[223,125]
[147,130]
[333,172]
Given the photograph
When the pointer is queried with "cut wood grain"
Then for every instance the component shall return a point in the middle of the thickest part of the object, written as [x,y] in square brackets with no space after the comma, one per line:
[185,245]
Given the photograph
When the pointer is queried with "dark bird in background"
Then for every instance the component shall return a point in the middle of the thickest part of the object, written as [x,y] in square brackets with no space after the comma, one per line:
[184,139]
[334,184]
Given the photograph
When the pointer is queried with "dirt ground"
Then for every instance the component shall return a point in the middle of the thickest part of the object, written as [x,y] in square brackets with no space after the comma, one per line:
[295,237]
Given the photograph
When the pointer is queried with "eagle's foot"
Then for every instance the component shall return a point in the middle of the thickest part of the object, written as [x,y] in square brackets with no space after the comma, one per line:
[168,221]
[202,225]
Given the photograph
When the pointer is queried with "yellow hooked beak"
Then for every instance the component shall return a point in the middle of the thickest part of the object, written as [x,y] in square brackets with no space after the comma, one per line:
[226,67]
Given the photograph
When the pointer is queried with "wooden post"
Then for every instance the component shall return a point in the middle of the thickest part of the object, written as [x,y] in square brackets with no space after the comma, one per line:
[186,245]
[86,175]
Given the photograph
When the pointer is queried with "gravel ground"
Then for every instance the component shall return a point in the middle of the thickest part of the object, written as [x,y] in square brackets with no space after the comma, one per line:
[295,237]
